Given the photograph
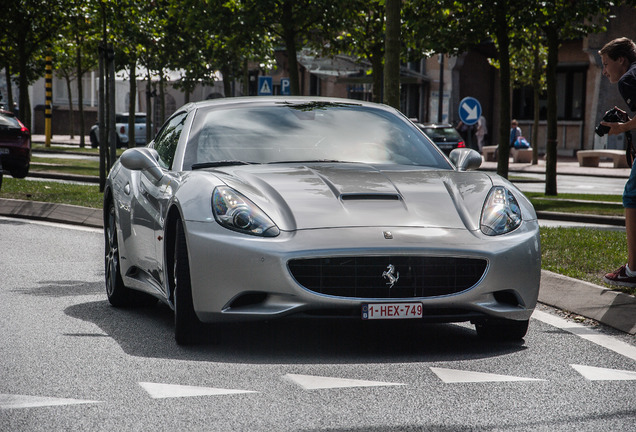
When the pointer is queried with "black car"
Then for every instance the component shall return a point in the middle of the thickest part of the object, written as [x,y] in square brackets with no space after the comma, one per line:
[445,136]
[15,145]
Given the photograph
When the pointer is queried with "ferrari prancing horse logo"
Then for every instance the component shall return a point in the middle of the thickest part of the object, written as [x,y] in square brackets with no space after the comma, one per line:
[391,275]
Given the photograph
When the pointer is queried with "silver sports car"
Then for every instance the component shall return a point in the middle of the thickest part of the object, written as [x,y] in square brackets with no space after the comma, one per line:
[259,208]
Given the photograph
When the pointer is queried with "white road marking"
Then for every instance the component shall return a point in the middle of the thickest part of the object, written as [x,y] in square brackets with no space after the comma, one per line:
[310,382]
[158,390]
[9,401]
[603,374]
[462,376]
[587,333]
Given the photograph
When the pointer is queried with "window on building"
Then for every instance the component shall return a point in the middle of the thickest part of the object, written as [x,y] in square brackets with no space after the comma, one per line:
[570,97]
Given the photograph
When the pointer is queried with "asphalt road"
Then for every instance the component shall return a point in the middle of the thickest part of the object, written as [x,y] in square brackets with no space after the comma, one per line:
[70,361]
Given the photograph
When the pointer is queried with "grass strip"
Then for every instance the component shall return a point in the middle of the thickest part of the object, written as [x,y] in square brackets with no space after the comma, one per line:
[54,192]
[584,253]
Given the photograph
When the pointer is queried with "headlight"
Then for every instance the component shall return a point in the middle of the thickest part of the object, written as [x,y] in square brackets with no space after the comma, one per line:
[233,211]
[501,213]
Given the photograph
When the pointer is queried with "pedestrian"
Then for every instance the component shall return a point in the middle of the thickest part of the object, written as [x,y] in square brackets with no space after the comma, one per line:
[619,66]
[481,132]
[515,132]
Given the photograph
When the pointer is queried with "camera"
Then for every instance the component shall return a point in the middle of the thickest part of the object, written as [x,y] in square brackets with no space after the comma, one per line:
[613,115]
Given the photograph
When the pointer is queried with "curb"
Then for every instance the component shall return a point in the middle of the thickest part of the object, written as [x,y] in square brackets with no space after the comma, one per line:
[52,212]
[612,308]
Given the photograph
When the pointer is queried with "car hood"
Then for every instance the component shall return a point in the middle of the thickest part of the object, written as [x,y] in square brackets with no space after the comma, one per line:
[353,195]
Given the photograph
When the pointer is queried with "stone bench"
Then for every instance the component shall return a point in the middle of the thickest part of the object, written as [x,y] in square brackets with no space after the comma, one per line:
[591,158]
[523,155]
[518,155]
[490,153]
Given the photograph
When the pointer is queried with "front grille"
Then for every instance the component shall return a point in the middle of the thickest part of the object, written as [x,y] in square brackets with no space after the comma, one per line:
[362,277]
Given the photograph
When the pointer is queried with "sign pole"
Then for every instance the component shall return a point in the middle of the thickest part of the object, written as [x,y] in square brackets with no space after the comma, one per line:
[48,83]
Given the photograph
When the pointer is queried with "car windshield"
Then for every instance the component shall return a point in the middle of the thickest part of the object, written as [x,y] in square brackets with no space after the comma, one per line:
[308,132]
[441,133]
[123,118]
[7,121]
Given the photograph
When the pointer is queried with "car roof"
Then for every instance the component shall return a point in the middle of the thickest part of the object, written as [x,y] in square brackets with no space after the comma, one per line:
[278,100]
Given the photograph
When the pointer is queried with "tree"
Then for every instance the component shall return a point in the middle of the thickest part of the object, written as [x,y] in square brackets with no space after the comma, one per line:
[298,23]
[26,31]
[363,37]
[76,53]
[561,20]
[392,54]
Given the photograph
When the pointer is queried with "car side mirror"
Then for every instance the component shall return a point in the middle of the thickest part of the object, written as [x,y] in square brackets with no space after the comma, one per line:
[142,159]
[465,159]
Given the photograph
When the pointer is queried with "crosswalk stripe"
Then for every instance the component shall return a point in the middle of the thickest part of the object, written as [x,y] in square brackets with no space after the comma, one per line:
[9,401]
[158,390]
[311,382]
[603,374]
[586,333]
[463,376]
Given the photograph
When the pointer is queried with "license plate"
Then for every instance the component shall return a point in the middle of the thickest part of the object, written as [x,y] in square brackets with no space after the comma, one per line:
[391,311]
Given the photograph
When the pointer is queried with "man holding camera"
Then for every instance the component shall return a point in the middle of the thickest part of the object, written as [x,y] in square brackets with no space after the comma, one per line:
[619,66]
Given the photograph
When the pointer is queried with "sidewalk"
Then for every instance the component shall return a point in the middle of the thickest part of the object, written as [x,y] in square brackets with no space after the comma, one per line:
[609,307]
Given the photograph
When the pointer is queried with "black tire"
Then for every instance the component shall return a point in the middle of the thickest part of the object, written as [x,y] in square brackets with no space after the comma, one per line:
[186,323]
[502,329]
[118,294]
[21,171]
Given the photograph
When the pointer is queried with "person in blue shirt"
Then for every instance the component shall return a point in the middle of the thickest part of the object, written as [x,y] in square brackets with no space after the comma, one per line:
[515,132]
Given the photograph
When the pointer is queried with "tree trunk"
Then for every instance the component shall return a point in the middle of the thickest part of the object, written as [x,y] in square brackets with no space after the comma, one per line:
[148,108]
[551,150]
[289,34]
[10,104]
[392,54]
[378,73]
[80,98]
[504,92]
[132,103]
[536,78]
[70,107]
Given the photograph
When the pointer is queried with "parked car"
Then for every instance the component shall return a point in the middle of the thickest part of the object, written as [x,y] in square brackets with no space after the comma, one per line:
[261,208]
[15,145]
[445,136]
[121,124]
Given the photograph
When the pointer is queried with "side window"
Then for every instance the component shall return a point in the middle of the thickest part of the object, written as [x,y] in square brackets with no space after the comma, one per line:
[167,140]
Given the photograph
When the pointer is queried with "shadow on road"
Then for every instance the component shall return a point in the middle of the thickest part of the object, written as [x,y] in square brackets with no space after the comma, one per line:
[149,332]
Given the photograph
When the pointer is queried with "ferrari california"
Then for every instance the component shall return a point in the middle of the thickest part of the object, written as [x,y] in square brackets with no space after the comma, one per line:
[261,208]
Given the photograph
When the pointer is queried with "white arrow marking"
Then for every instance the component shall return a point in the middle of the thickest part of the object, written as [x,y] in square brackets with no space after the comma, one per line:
[603,374]
[8,401]
[158,390]
[309,382]
[460,376]
[472,112]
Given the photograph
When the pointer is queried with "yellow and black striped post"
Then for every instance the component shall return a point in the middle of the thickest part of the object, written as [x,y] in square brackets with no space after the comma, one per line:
[48,79]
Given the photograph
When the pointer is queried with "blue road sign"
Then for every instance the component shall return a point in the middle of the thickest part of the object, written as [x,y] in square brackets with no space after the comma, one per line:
[469,110]
[265,87]
[285,87]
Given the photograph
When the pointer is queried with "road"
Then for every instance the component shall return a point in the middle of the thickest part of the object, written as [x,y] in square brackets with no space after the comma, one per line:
[70,361]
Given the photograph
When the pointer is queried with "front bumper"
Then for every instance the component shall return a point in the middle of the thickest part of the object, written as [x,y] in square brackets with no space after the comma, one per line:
[239,277]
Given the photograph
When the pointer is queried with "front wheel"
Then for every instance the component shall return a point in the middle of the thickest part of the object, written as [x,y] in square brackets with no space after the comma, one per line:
[118,294]
[502,329]
[186,323]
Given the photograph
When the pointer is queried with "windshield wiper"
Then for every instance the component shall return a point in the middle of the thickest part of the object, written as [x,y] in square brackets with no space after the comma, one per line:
[220,163]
